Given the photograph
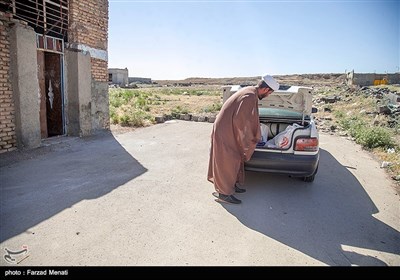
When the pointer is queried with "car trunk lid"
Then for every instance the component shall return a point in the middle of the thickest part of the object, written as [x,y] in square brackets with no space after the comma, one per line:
[294,98]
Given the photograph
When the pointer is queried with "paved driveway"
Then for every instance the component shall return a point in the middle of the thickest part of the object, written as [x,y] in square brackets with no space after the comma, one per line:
[142,198]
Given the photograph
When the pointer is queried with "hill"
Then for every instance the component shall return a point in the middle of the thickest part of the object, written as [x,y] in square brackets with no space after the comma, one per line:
[294,79]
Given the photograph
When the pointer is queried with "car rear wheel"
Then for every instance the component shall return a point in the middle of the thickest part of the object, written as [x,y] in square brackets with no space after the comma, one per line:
[310,178]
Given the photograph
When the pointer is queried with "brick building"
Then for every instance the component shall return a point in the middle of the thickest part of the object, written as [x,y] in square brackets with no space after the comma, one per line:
[53,70]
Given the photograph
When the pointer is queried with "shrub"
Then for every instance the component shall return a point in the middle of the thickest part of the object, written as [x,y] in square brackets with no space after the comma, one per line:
[213,108]
[373,137]
[365,135]
[134,118]
[179,110]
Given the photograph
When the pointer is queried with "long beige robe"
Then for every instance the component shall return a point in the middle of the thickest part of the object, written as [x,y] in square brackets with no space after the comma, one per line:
[236,132]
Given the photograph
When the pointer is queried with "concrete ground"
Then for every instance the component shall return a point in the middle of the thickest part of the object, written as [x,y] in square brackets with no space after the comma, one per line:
[142,198]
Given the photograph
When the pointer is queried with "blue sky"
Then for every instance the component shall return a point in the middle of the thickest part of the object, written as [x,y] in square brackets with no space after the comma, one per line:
[216,39]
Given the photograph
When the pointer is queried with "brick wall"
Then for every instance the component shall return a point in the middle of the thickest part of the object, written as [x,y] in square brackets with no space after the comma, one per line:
[89,26]
[7,110]
[98,72]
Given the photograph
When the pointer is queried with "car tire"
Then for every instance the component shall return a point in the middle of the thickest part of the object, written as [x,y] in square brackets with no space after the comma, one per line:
[312,177]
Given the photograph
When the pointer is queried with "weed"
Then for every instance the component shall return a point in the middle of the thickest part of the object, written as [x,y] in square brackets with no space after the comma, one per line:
[179,110]
[213,108]
[373,137]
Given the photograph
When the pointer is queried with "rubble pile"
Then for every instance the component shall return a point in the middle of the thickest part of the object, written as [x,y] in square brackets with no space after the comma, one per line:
[387,103]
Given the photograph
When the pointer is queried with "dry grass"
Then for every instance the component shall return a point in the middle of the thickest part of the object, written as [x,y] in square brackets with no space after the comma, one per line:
[140,106]
[191,104]
[191,99]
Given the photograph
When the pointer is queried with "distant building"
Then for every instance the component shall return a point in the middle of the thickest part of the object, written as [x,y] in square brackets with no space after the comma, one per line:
[139,80]
[118,76]
[370,79]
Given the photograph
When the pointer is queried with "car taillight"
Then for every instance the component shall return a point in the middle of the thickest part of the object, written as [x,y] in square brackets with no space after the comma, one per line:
[306,144]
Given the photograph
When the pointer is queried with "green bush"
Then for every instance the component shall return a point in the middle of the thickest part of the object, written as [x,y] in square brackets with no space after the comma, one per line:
[115,100]
[365,135]
[127,95]
[113,115]
[356,126]
[130,107]
[140,102]
[179,110]
[134,118]
[352,123]
[216,107]
[373,137]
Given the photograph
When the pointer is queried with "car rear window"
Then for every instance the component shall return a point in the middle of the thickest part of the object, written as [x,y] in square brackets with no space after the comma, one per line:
[276,112]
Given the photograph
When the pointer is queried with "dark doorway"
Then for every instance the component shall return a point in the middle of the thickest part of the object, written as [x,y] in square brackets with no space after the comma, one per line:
[51,93]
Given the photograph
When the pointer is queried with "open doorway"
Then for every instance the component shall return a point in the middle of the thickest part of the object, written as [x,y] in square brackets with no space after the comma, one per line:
[50,75]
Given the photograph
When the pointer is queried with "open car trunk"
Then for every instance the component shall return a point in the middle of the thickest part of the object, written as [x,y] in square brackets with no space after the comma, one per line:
[284,116]
[280,134]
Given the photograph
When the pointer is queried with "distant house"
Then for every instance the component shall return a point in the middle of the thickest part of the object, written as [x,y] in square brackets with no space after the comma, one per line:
[53,70]
[370,79]
[139,80]
[118,76]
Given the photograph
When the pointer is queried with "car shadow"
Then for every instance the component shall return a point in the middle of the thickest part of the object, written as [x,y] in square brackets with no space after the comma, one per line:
[37,184]
[320,219]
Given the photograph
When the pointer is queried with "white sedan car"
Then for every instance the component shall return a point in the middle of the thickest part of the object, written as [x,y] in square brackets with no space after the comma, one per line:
[290,142]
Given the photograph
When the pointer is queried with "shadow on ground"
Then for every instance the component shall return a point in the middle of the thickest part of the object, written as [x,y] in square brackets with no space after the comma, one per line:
[39,183]
[322,219]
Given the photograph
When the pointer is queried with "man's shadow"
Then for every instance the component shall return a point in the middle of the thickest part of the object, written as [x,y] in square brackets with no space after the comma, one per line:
[318,218]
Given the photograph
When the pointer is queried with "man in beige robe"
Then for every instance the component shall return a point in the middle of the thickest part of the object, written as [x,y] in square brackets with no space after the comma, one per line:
[236,132]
